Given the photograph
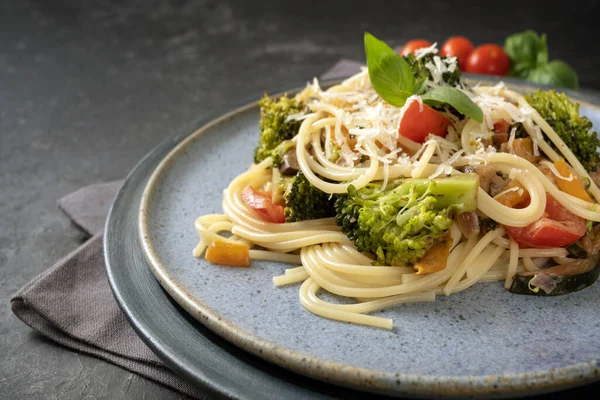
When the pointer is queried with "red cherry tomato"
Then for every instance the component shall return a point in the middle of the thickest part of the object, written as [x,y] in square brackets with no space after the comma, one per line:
[459,47]
[557,228]
[501,132]
[489,59]
[501,126]
[412,45]
[417,123]
[261,203]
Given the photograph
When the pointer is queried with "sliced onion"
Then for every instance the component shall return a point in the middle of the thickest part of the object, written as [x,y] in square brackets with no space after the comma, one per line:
[544,282]
[468,222]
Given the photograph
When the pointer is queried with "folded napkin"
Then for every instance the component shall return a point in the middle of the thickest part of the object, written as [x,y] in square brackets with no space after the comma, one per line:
[72,304]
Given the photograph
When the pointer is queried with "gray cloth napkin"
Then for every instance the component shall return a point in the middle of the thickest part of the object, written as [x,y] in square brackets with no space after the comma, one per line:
[72,304]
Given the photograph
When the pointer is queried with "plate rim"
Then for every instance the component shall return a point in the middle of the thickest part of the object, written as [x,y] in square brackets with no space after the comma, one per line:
[341,374]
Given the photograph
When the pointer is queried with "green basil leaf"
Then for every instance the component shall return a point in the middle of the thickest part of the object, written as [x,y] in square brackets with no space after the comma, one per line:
[455,98]
[390,74]
[526,51]
[520,70]
[420,86]
[555,73]
[542,55]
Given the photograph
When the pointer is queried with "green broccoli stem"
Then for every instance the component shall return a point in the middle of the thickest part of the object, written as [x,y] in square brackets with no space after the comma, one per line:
[457,192]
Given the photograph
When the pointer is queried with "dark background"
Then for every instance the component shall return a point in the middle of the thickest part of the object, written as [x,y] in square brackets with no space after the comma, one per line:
[88,87]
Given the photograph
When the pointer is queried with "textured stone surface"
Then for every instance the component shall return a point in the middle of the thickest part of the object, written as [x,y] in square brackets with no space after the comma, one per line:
[87,88]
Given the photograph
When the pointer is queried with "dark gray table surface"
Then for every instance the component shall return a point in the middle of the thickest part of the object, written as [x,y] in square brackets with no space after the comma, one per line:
[88,87]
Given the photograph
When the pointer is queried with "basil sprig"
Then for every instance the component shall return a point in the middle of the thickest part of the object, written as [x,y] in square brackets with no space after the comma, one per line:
[393,80]
[528,53]
[457,99]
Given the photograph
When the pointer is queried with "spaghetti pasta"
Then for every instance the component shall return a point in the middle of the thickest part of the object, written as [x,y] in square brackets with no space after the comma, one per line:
[349,138]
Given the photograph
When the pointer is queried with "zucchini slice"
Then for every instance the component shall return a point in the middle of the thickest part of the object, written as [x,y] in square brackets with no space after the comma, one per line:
[576,251]
[557,280]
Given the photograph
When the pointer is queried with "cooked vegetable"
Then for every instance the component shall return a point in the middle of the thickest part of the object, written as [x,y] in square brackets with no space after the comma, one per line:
[520,131]
[289,165]
[487,224]
[275,127]
[491,180]
[400,224]
[575,130]
[512,195]
[528,54]
[501,129]
[557,280]
[279,152]
[413,45]
[502,126]
[489,59]
[576,251]
[570,186]
[459,47]
[230,254]
[284,158]
[262,203]
[436,258]
[522,147]
[419,120]
[558,229]
[468,223]
[304,201]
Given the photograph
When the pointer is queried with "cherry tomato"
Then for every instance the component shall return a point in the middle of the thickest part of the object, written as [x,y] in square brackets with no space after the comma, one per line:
[262,203]
[489,59]
[459,47]
[501,132]
[412,45]
[417,123]
[557,228]
[501,126]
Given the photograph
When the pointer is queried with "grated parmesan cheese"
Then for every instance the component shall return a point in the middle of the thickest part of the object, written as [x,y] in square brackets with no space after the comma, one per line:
[420,53]
[513,173]
[439,66]
[511,139]
[446,167]
[512,189]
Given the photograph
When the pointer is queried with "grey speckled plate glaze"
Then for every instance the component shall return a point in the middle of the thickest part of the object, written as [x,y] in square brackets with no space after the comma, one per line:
[483,341]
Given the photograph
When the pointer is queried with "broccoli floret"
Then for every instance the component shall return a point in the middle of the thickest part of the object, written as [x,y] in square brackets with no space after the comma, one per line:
[274,125]
[420,70]
[401,223]
[574,129]
[305,201]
